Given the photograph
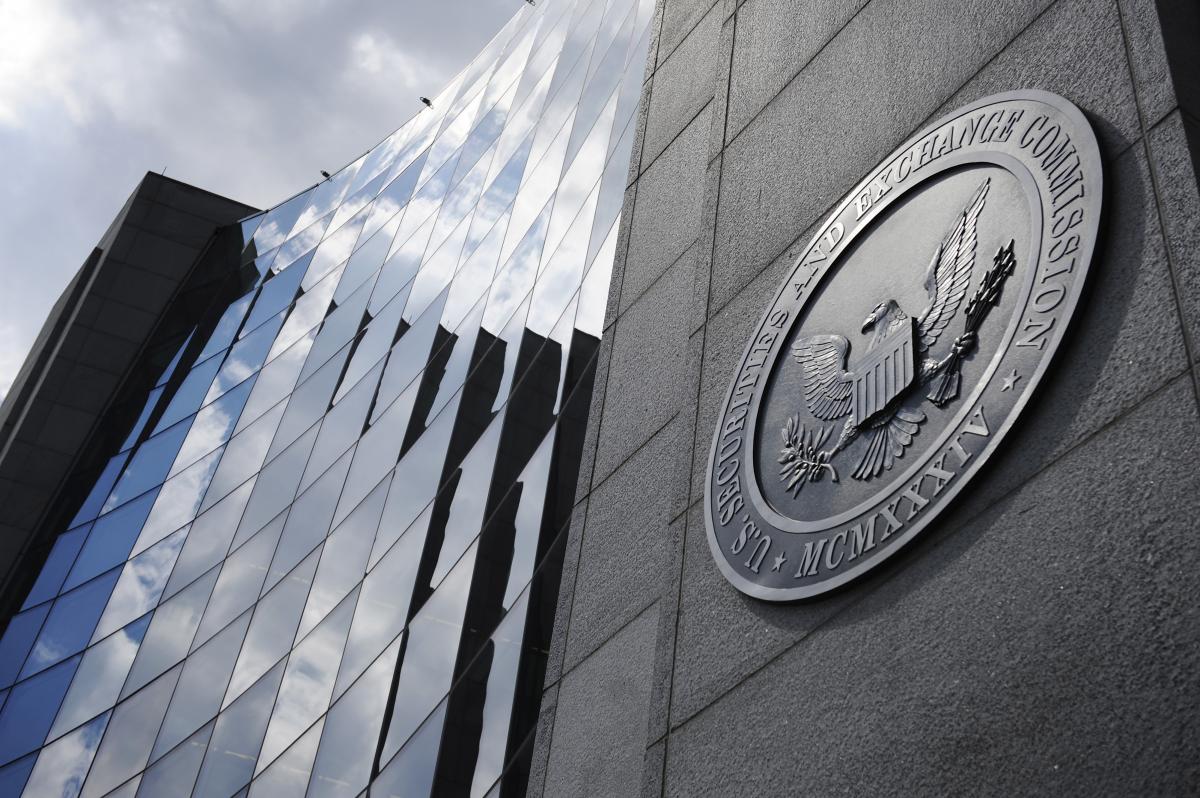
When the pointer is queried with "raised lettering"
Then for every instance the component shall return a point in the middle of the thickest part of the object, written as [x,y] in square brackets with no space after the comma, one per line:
[810,559]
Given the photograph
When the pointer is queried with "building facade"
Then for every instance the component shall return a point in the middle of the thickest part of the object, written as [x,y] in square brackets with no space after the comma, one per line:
[398,488]
[1040,637]
[306,536]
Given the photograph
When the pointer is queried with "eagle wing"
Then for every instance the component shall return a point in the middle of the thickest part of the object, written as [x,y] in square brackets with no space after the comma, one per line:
[827,385]
[950,271]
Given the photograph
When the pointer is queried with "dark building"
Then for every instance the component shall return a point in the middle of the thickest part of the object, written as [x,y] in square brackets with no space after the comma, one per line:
[398,488]
[286,492]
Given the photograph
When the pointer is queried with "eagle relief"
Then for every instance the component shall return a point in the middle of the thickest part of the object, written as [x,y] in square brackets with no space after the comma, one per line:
[903,345]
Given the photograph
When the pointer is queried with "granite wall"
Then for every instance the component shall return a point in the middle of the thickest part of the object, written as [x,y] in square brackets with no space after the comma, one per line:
[1042,636]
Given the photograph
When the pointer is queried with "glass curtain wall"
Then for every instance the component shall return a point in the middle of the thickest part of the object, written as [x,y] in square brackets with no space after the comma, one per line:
[326,557]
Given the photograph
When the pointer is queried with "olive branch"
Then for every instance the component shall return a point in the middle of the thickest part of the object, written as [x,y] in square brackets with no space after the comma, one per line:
[801,458]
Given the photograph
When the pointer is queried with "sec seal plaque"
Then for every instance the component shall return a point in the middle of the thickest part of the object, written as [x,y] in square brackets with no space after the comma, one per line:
[903,345]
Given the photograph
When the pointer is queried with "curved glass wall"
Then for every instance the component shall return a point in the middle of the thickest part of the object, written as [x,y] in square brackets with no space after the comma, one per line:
[326,556]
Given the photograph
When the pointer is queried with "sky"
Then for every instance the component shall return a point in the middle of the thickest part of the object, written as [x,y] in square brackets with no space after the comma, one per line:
[246,98]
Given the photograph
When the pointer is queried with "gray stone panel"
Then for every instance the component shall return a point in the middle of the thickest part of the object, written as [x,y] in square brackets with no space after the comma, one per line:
[648,353]
[678,19]
[668,202]
[1048,648]
[624,547]
[1148,58]
[1039,640]
[773,43]
[566,595]
[599,740]
[850,107]
[682,86]
[1179,204]
[541,744]
[1074,49]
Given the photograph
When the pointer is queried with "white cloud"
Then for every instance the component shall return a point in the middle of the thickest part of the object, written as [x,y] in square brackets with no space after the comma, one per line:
[248,100]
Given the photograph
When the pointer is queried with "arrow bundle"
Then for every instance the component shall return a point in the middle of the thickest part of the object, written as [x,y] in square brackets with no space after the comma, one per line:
[987,297]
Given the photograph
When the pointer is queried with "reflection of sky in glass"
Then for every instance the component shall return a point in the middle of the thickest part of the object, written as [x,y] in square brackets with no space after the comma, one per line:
[342,483]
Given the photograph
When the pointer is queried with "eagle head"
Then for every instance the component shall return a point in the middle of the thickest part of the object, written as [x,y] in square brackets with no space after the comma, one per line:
[883,312]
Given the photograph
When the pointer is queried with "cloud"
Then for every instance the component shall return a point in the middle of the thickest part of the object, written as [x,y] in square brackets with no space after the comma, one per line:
[248,100]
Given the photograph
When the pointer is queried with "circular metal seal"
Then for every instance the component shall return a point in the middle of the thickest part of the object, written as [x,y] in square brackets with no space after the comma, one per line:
[903,345]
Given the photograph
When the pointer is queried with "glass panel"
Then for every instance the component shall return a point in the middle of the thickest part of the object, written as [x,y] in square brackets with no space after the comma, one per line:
[141,584]
[377,452]
[393,198]
[18,639]
[99,677]
[190,395]
[30,710]
[144,417]
[276,486]
[246,357]
[209,537]
[236,740]
[241,579]
[272,630]
[243,456]
[310,402]
[382,605]
[308,312]
[470,499]
[307,682]
[415,481]
[171,631]
[227,327]
[211,427]
[174,775]
[13,777]
[131,732]
[344,561]
[410,774]
[288,775]
[505,655]
[342,426]
[366,260]
[276,380]
[337,330]
[95,501]
[62,766]
[70,624]
[351,733]
[334,250]
[201,686]
[308,522]
[279,222]
[149,466]
[111,540]
[177,502]
[428,663]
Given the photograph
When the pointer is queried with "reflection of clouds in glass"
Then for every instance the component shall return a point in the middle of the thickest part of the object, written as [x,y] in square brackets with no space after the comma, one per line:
[141,584]
[307,683]
[516,277]
[276,381]
[307,313]
[210,429]
[511,229]
[428,662]
[300,244]
[559,279]
[61,767]
[177,502]
[497,709]
[593,296]
[99,678]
